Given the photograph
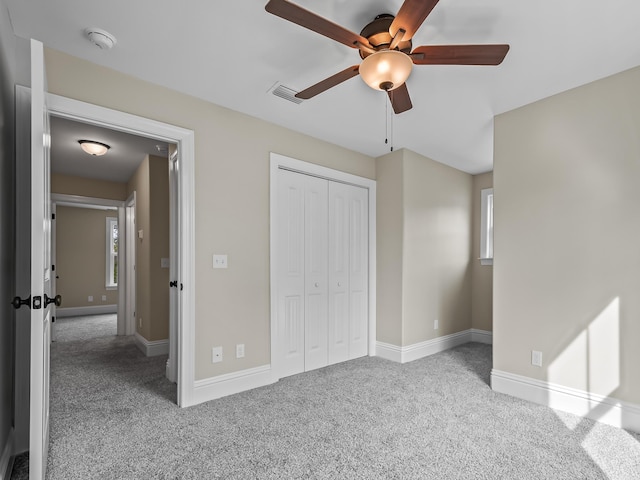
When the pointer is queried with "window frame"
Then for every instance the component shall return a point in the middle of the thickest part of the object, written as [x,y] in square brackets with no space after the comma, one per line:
[110,254]
[486,226]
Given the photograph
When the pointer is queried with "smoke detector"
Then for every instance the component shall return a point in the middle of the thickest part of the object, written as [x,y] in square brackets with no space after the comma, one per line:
[100,38]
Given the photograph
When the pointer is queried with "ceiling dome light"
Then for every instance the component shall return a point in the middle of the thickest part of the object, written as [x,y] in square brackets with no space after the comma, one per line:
[386,70]
[94,148]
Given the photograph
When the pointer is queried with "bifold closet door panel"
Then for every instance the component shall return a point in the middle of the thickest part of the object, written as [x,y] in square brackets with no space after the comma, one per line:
[316,264]
[348,272]
[358,272]
[338,272]
[291,273]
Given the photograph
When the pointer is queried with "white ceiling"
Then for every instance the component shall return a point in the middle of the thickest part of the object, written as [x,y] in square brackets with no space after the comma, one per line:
[232,53]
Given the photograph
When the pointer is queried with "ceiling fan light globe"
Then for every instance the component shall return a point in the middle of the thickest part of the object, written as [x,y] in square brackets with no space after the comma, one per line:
[384,68]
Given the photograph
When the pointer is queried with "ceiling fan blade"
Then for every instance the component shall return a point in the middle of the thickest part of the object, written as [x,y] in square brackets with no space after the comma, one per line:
[410,16]
[400,99]
[307,19]
[459,54]
[327,83]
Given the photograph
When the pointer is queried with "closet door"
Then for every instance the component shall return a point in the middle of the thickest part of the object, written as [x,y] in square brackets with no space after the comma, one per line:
[348,272]
[291,268]
[315,311]
[358,272]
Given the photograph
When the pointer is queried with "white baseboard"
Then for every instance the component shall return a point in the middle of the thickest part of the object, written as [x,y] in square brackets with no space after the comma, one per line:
[151,348]
[413,352]
[6,459]
[482,336]
[230,383]
[607,410]
[82,311]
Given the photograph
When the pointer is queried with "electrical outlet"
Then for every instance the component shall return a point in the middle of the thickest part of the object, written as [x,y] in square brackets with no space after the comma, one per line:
[90,298]
[220,261]
[536,358]
[240,350]
[435,324]
[104,298]
[140,322]
[216,354]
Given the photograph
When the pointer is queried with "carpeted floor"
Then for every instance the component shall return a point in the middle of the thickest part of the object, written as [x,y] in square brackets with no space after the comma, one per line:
[113,416]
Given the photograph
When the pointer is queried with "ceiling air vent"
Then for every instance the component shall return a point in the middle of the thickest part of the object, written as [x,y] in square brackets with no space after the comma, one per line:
[286,93]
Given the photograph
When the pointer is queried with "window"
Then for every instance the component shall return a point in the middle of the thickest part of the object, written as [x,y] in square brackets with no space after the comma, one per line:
[486,227]
[112,252]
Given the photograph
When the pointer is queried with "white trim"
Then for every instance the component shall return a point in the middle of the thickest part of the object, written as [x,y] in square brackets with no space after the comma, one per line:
[278,161]
[185,139]
[603,409]
[416,351]
[151,348]
[231,383]
[109,255]
[83,311]
[6,459]
[482,336]
[486,226]
[86,202]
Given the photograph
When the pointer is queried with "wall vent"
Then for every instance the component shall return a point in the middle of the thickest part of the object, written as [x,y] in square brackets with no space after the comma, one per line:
[286,93]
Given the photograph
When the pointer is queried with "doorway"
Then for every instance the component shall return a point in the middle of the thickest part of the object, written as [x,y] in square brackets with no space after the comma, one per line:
[181,220]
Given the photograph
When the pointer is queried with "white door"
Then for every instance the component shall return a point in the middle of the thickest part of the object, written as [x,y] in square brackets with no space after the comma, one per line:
[40,269]
[130,265]
[315,272]
[358,272]
[174,267]
[290,274]
[348,272]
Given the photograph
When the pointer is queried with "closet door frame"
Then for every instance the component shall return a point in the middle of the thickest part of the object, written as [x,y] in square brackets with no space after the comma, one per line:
[278,162]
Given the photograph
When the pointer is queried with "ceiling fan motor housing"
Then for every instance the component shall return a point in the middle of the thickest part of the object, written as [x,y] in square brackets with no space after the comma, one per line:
[377,32]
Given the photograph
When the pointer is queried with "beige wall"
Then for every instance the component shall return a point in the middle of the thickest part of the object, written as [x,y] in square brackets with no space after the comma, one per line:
[567,264]
[88,187]
[151,184]
[231,195]
[159,216]
[139,183]
[481,275]
[81,245]
[389,237]
[424,248]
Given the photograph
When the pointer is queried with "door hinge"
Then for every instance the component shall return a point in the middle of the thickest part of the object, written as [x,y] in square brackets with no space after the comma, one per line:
[53,216]
[53,268]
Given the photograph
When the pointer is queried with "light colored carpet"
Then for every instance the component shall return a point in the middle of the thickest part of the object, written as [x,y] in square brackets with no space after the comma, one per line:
[113,417]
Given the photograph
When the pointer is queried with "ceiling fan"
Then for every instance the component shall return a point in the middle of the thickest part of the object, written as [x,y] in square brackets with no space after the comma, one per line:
[386,49]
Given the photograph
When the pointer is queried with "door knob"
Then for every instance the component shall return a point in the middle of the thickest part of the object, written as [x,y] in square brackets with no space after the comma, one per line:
[339,284]
[317,284]
[57,300]
[17,302]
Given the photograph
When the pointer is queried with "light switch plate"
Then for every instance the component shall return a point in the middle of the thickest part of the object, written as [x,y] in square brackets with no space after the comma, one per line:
[219,261]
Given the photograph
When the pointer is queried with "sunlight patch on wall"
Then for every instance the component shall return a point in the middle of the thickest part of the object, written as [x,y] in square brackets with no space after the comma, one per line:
[591,362]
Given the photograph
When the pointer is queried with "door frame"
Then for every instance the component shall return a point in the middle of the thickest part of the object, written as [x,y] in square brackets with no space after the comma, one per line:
[130,264]
[278,162]
[185,139]
[79,201]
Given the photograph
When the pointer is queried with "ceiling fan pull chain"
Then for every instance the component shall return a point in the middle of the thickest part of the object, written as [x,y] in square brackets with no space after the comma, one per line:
[386,122]
[391,121]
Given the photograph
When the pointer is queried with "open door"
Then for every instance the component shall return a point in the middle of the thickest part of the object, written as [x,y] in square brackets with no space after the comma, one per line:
[40,270]
[33,230]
